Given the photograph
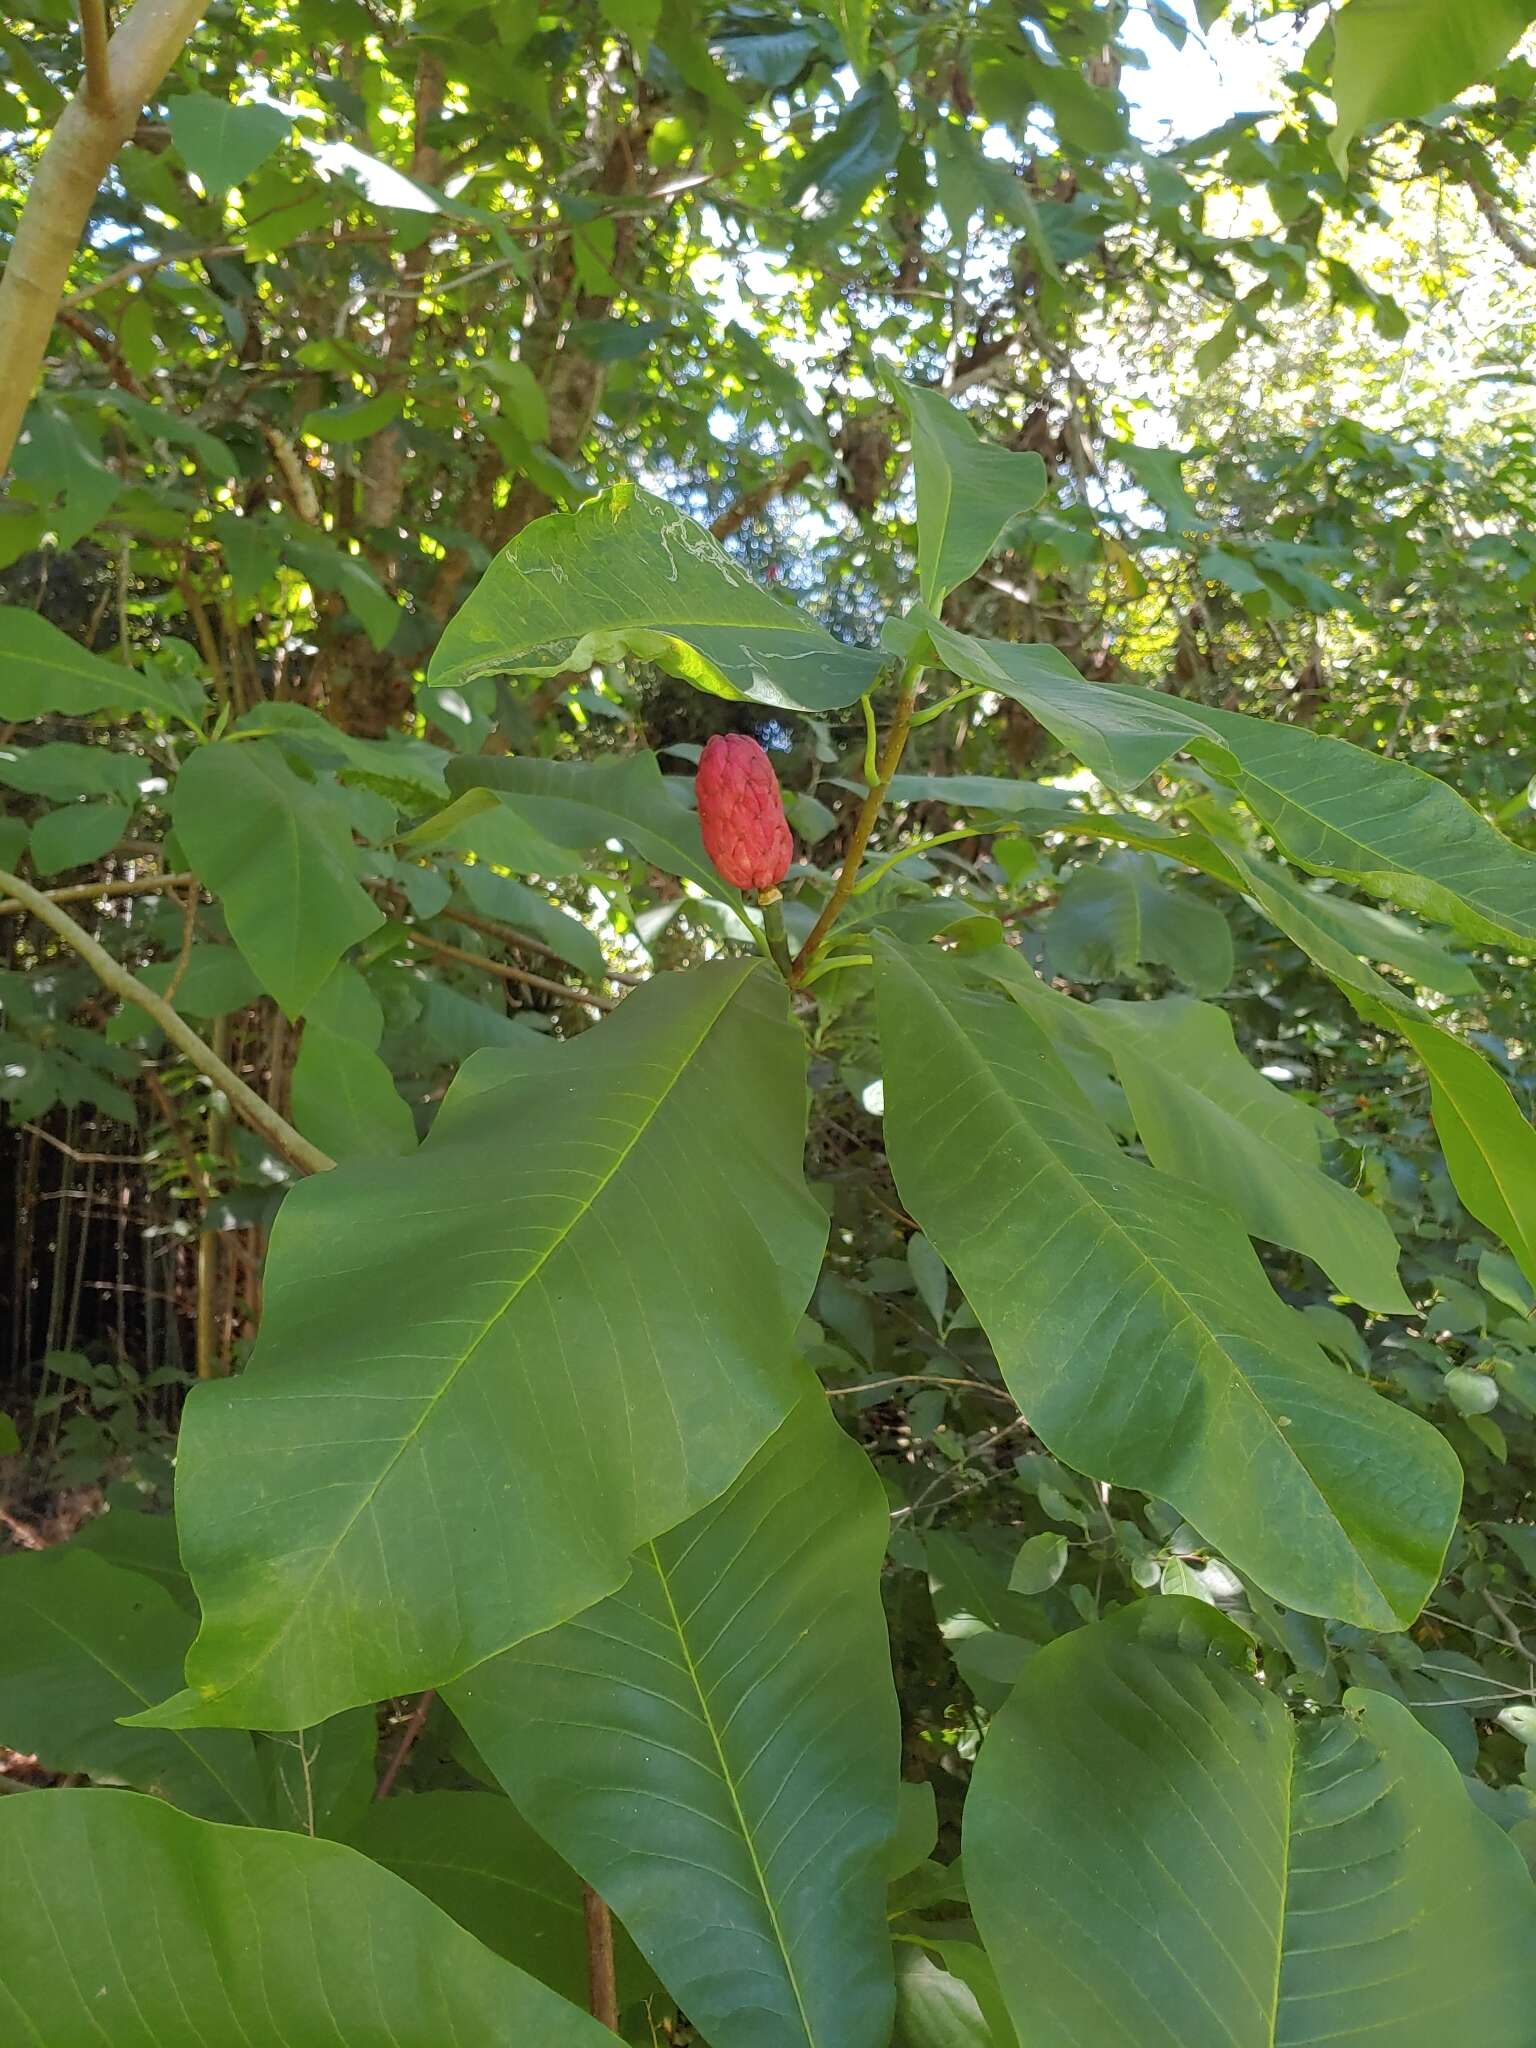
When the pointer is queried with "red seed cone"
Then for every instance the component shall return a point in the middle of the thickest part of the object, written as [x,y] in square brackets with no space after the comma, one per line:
[741,813]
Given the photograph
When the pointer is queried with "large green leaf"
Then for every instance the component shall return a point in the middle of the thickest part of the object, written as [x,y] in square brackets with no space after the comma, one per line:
[629,574]
[223,143]
[1205,1114]
[42,670]
[1133,1322]
[474,1855]
[488,1372]
[1111,917]
[83,1641]
[148,1929]
[968,491]
[278,852]
[576,806]
[1393,59]
[714,1748]
[1488,1141]
[1157,1854]
[1334,808]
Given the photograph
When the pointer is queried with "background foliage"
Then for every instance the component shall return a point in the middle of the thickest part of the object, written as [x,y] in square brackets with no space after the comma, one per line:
[369,293]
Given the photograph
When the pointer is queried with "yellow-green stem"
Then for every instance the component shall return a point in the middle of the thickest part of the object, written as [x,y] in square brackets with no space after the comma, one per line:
[869,810]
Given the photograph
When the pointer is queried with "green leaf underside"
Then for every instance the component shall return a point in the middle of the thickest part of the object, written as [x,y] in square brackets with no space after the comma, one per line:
[573,807]
[1118,913]
[391,1493]
[714,1747]
[149,1929]
[1333,808]
[1157,1854]
[968,490]
[42,670]
[1394,59]
[1134,1324]
[279,855]
[473,1854]
[1488,1142]
[1205,1114]
[83,1641]
[627,572]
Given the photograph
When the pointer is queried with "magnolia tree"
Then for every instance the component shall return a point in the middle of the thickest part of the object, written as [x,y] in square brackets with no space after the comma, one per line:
[528,1429]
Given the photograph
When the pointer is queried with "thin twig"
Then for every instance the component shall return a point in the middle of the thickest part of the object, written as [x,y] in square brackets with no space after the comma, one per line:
[920,1379]
[184,956]
[89,1158]
[602,1986]
[520,975]
[88,892]
[509,936]
[261,1116]
[407,1743]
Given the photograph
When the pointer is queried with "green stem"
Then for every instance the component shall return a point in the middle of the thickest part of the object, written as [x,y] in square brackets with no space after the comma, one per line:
[245,1101]
[772,905]
[869,810]
[922,846]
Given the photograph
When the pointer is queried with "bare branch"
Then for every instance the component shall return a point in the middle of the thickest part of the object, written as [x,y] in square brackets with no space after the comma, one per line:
[261,1116]
[1518,245]
[590,997]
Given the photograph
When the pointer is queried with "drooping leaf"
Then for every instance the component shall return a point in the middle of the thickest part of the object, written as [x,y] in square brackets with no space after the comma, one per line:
[1207,1116]
[63,769]
[43,670]
[1111,917]
[220,143]
[575,806]
[489,1371]
[513,903]
[1334,808]
[473,1854]
[851,19]
[188,1933]
[1488,1142]
[344,1097]
[947,1994]
[139,1543]
[629,574]
[355,419]
[408,771]
[279,855]
[1393,59]
[75,835]
[1156,1853]
[1378,935]
[968,491]
[335,568]
[837,173]
[83,1641]
[714,1748]
[1134,1325]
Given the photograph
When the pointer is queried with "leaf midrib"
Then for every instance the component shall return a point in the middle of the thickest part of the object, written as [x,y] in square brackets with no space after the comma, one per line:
[557,1241]
[729,1783]
[1164,1281]
[1380,863]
